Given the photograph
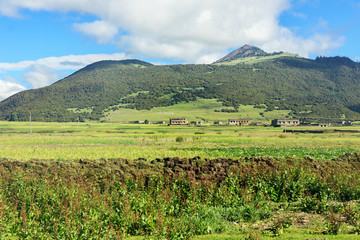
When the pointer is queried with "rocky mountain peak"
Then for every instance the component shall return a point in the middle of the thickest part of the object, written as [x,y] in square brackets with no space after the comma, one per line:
[243,52]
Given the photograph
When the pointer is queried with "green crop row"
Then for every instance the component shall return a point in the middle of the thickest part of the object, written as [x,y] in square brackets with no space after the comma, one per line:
[320,153]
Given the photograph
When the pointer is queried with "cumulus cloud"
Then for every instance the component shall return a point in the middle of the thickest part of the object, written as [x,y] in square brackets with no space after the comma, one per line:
[187,30]
[9,88]
[42,72]
[318,43]
[103,31]
[71,62]
[40,76]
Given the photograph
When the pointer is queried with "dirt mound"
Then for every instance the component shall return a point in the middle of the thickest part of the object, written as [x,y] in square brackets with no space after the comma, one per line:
[195,168]
[218,169]
[81,169]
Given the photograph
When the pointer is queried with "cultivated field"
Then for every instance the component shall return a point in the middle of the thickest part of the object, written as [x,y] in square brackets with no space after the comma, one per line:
[116,181]
[72,141]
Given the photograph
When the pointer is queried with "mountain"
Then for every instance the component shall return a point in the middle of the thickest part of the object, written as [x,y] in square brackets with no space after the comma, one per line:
[327,87]
[110,63]
[243,52]
[247,52]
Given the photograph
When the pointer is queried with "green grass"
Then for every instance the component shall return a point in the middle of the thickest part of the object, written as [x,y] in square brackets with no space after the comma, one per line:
[320,153]
[77,110]
[110,140]
[290,236]
[193,111]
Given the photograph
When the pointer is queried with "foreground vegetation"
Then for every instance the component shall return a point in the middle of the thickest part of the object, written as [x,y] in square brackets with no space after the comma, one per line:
[49,189]
[92,200]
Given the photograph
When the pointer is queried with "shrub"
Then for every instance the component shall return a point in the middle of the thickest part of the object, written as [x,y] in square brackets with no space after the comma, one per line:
[179,139]
[280,225]
[352,217]
[333,227]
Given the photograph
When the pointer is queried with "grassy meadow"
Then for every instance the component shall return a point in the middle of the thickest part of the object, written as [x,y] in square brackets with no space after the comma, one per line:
[199,110]
[57,183]
[71,141]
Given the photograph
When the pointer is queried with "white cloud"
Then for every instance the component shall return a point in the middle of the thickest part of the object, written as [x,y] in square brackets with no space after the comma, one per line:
[71,62]
[10,79]
[103,31]
[185,30]
[40,76]
[299,15]
[318,43]
[9,88]
[45,71]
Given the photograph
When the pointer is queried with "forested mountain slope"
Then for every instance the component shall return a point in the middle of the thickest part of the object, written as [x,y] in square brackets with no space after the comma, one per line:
[325,87]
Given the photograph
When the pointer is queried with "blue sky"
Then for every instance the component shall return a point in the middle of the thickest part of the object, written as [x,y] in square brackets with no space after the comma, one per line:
[43,41]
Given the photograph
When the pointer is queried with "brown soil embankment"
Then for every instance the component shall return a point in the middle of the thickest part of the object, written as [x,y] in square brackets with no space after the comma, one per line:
[194,168]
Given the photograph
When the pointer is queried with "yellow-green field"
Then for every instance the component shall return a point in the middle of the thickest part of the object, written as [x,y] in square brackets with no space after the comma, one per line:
[69,141]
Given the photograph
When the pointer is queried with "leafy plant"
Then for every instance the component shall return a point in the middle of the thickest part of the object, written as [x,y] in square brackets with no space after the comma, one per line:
[352,217]
[333,227]
[279,226]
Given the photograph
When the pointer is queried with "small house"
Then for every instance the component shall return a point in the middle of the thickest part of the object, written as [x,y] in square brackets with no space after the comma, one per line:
[346,123]
[138,122]
[196,123]
[285,122]
[238,122]
[256,124]
[178,121]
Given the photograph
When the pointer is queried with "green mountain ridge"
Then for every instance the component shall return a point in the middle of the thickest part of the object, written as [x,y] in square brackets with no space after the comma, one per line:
[108,63]
[327,87]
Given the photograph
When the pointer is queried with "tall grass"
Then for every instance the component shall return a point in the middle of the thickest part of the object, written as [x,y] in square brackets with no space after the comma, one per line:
[57,206]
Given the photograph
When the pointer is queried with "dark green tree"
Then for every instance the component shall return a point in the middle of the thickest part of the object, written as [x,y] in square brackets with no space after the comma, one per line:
[14,117]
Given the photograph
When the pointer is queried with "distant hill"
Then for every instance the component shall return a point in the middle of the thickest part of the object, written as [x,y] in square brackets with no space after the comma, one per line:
[316,89]
[110,63]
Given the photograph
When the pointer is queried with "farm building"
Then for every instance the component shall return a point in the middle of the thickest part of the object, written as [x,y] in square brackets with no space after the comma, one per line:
[160,122]
[256,124]
[285,122]
[196,123]
[324,124]
[346,123]
[238,122]
[138,122]
[178,121]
